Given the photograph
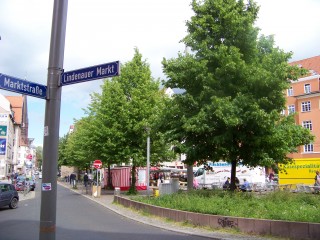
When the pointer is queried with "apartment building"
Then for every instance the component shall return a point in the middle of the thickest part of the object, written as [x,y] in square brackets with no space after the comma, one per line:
[6,137]
[16,153]
[303,99]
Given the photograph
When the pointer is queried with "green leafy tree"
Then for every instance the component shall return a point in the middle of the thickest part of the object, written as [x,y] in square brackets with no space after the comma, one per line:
[39,158]
[108,125]
[144,104]
[234,85]
[80,149]
[115,129]
[62,159]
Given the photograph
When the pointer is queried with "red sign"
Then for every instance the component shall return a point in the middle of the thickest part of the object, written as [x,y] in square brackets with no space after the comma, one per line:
[97,164]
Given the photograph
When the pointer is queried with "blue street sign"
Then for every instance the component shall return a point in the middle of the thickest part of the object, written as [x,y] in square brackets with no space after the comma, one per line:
[18,85]
[91,73]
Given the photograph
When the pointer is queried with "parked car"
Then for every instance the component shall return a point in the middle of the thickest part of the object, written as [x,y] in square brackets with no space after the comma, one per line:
[40,175]
[8,195]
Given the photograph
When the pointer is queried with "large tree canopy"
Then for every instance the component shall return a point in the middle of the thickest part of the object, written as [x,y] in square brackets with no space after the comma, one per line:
[234,83]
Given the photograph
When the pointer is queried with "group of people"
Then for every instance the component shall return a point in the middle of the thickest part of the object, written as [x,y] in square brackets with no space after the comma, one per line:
[72,178]
[12,176]
[245,187]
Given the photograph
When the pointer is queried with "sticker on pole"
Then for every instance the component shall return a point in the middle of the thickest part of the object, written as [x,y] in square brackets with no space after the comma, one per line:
[46,187]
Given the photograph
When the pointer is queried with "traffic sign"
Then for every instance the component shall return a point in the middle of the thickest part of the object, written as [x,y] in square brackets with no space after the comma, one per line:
[18,85]
[97,164]
[91,73]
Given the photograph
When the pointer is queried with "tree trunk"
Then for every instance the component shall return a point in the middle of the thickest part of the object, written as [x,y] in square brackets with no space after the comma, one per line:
[190,177]
[109,184]
[233,186]
[133,189]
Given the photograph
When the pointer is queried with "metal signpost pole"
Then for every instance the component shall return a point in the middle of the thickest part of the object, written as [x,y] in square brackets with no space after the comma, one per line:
[148,161]
[47,229]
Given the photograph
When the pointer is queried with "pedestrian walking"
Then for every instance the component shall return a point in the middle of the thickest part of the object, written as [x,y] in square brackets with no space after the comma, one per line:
[85,179]
[73,179]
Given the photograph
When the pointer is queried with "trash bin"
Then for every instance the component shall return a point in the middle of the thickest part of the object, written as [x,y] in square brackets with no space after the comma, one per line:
[96,191]
[117,191]
[156,192]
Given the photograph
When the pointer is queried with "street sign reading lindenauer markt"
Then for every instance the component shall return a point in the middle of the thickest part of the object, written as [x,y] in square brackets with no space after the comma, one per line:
[91,73]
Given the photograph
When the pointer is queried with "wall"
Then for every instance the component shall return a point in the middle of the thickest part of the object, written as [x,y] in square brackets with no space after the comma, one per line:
[292,230]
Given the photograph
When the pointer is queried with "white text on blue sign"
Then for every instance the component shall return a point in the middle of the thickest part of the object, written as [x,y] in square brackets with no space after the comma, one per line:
[21,86]
[91,73]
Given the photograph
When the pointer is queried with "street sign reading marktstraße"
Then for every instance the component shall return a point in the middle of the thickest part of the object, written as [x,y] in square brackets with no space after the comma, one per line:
[106,70]
[18,85]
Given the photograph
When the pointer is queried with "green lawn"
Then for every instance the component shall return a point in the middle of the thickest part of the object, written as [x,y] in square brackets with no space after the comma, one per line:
[279,205]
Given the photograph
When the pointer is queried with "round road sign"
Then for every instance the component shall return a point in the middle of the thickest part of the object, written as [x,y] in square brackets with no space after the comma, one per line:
[97,164]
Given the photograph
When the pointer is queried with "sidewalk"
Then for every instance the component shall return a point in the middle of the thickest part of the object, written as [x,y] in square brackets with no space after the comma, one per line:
[106,200]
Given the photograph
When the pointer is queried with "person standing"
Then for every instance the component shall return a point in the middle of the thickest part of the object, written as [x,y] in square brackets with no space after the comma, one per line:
[85,179]
[317,182]
[12,177]
[73,179]
[317,179]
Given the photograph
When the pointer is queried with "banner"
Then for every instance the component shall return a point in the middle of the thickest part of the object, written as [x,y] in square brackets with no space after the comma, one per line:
[3,131]
[300,171]
[3,144]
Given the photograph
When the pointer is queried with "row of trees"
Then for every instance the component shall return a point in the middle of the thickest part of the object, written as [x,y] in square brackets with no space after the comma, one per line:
[232,84]
[115,127]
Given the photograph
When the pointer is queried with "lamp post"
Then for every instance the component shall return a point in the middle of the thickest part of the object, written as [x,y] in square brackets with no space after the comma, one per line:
[148,159]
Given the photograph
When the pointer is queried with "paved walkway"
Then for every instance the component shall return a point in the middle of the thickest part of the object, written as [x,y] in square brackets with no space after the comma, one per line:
[106,200]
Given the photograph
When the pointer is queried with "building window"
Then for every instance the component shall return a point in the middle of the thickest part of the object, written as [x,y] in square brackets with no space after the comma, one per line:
[307,88]
[308,148]
[306,106]
[290,91]
[307,124]
[283,112]
[291,109]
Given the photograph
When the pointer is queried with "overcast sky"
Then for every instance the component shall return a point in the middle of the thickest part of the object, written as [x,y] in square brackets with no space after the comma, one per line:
[102,31]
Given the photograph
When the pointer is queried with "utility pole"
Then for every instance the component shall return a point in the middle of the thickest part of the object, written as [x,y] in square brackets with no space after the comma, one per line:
[148,160]
[47,229]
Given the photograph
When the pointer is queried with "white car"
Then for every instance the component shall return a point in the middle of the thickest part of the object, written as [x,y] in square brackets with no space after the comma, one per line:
[40,175]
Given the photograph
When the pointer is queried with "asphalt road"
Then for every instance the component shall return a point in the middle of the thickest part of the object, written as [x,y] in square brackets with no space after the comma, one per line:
[78,218]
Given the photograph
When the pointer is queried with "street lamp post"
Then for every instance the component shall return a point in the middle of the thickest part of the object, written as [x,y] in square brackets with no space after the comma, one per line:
[148,160]
[48,207]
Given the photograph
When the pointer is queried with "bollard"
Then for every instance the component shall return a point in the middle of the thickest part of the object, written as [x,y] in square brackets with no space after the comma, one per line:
[156,192]
[117,191]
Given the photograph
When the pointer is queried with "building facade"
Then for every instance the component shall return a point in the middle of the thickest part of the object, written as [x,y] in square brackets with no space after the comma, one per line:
[303,100]
[7,137]
[16,153]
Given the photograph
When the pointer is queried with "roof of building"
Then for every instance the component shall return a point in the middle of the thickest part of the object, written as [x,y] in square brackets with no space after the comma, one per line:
[312,64]
[17,106]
